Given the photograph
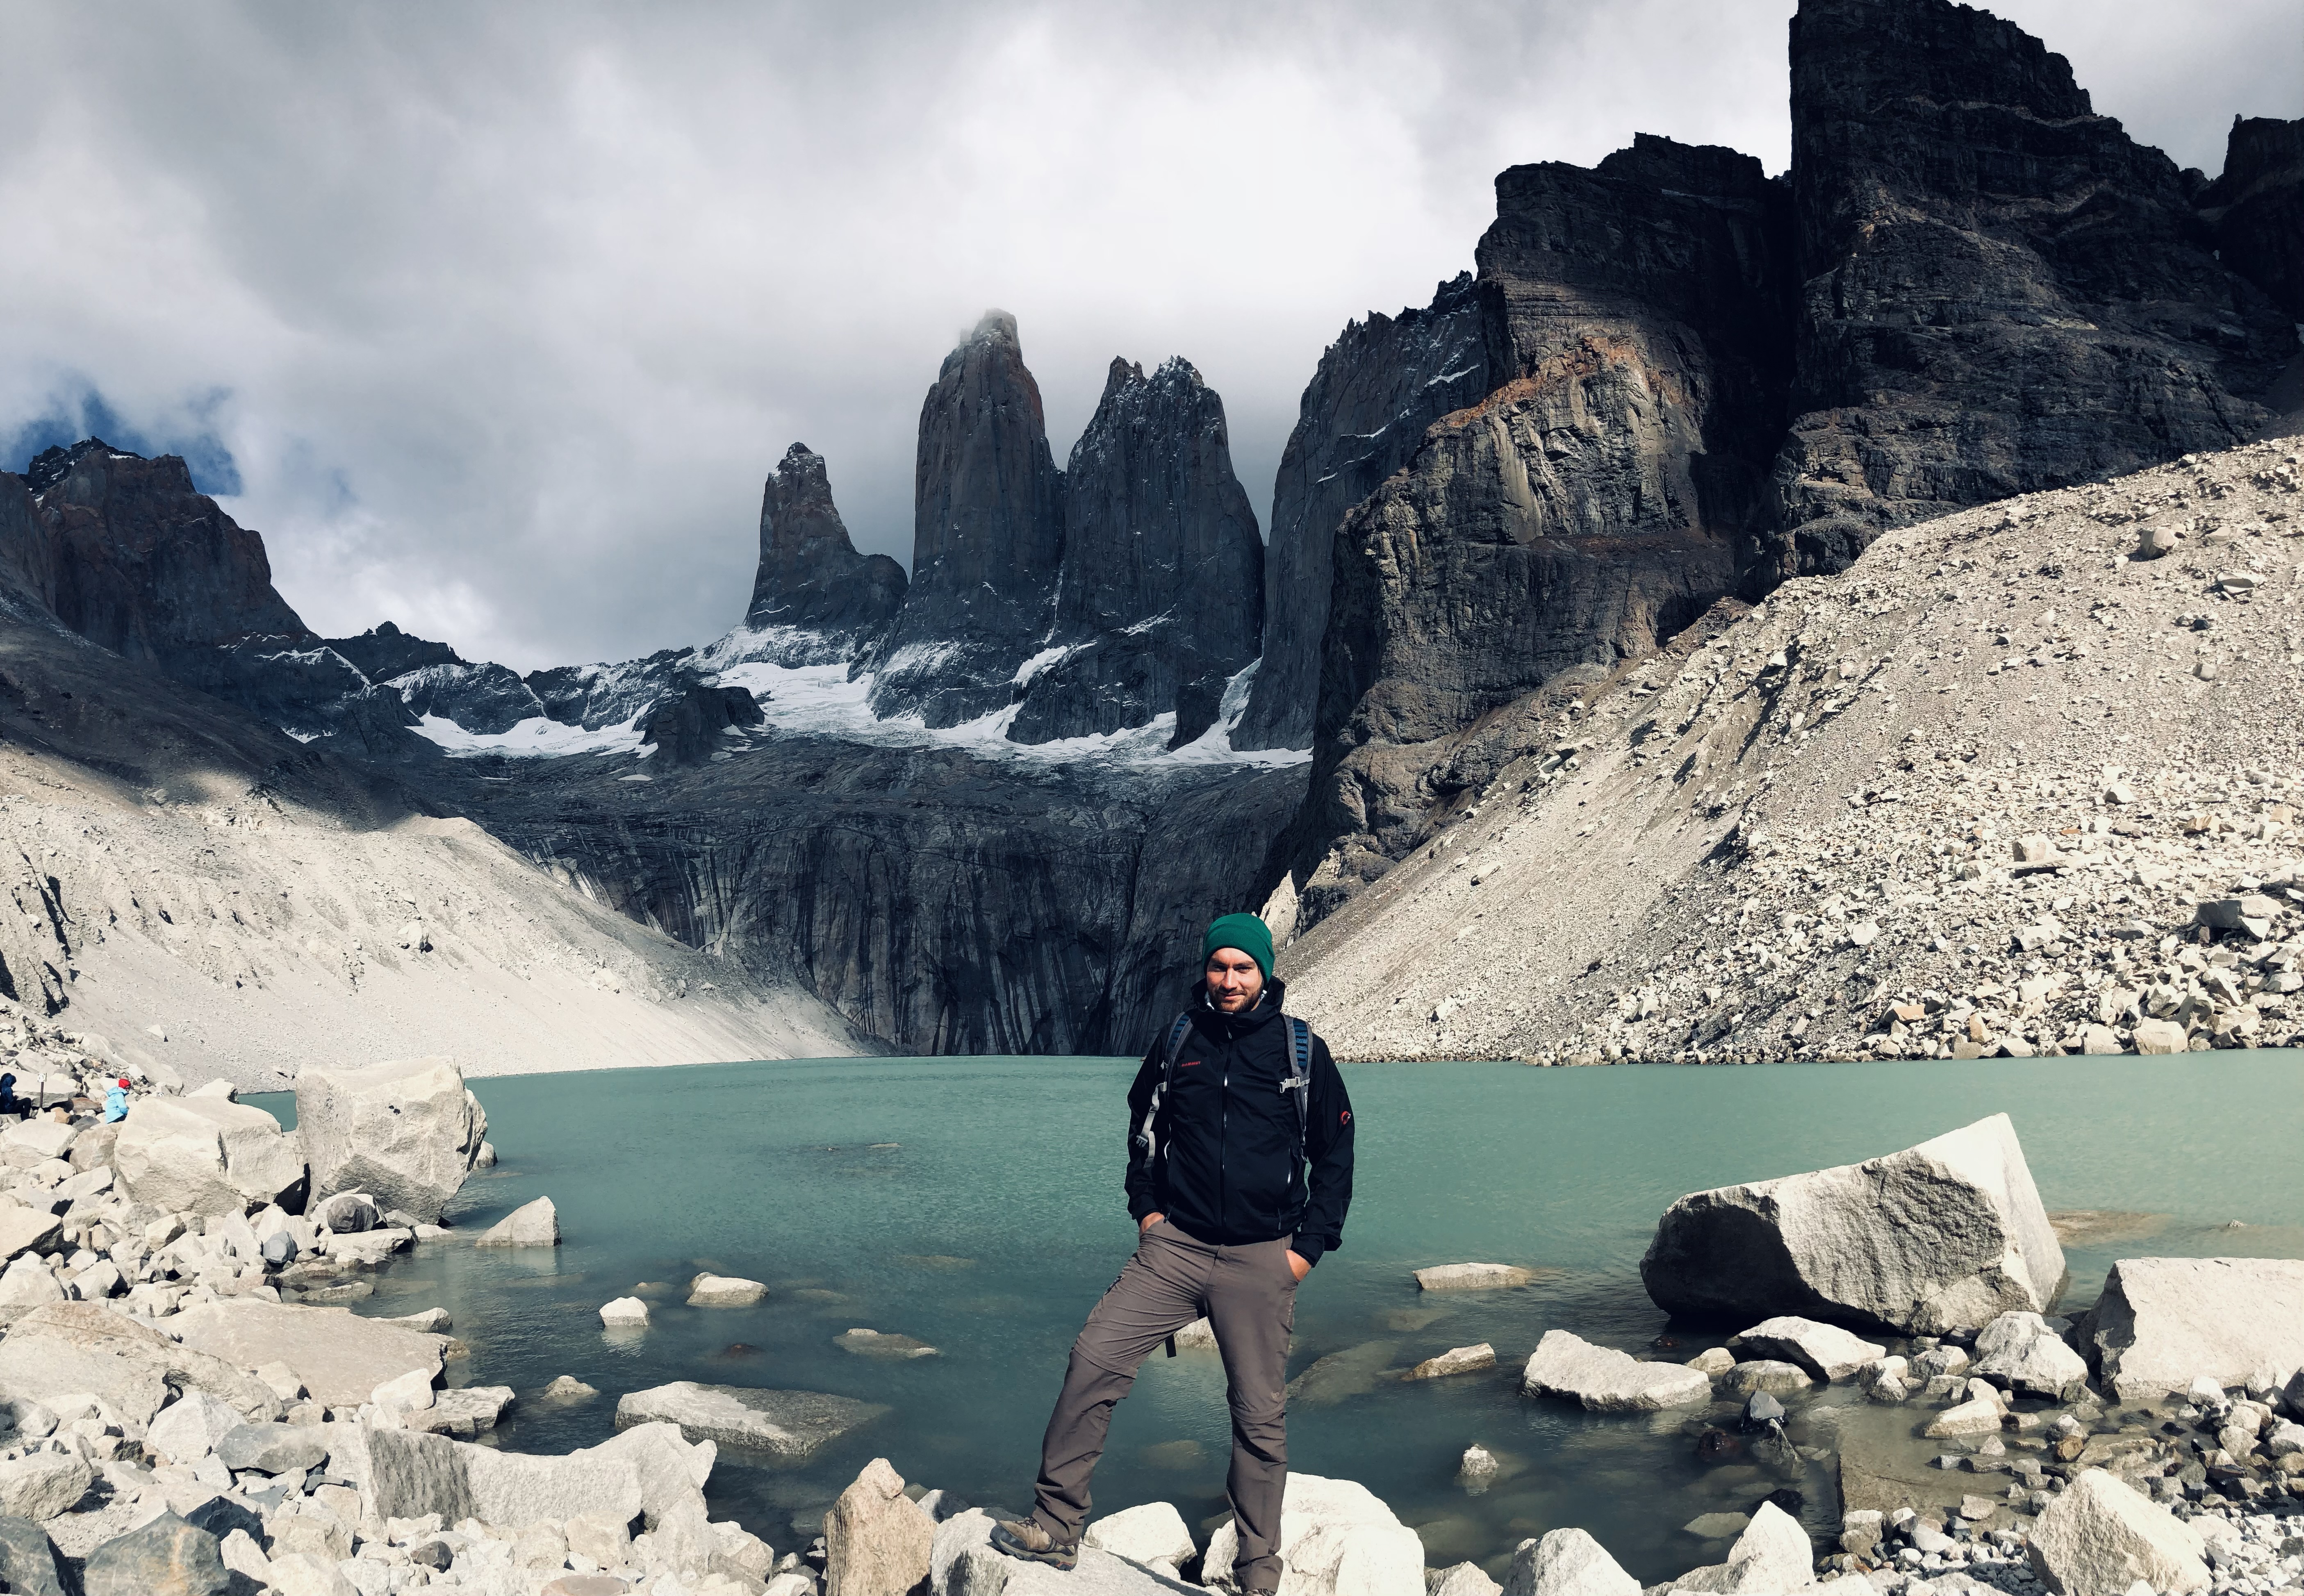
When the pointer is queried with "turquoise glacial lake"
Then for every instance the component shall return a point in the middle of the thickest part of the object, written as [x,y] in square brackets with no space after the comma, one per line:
[976,1204]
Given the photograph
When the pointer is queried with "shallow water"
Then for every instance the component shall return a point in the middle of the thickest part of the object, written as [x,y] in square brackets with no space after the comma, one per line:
[976,1204]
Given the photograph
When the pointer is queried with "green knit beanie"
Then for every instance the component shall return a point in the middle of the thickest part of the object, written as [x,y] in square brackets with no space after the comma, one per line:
[1246,932]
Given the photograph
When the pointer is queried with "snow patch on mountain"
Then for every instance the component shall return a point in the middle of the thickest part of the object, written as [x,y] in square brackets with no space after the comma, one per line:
[535,737]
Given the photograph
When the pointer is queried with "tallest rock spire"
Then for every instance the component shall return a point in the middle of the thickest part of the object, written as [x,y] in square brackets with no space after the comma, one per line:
[988,538]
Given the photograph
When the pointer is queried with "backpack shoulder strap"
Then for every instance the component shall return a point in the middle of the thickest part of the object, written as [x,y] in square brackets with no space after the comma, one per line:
[1145,1131]
[1300,1080]
[1179,1029]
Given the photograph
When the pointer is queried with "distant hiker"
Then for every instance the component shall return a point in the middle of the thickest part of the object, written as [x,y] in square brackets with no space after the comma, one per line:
[116,1102]
[10,1104]
[1229,1106]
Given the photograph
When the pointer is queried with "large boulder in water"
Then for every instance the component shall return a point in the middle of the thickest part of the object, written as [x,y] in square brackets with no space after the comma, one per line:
[1949,1233]
[204,1155]
[1337,1539]
[2163,1322]
[405,1132]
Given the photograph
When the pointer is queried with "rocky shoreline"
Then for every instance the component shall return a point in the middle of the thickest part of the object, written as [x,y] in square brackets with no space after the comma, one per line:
[189,1407]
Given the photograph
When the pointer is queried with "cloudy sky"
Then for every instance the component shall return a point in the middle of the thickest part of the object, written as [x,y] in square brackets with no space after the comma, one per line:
[492,319]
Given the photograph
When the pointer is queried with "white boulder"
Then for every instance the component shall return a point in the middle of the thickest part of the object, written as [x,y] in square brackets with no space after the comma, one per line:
[1773,1554]
[1337,1539]
[1154,1532]
[877,1540]
[531,1225]
[1948,1233]
[39,1485]
[2098,1537]
[624,1310]
[2020,1352]
[337,1356]
[1825,1351]
[204,1155]
[2163,1320]
[1464,1579]
[1456,1360]
[188,1429]
[724,1291]
[1566,1563]
[1606,1380]
[407,1131]
[961,1562]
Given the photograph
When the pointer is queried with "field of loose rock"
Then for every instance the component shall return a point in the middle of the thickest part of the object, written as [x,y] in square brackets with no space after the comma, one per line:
[2025,780]
[186,1404]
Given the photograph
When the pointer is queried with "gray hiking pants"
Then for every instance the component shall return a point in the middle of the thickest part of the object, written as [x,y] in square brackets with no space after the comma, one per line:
[1248,1295]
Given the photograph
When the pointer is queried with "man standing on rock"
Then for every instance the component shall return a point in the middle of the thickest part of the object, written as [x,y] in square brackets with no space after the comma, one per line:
[1229,1105]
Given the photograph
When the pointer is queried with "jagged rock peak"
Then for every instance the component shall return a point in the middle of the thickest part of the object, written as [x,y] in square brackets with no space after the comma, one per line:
[1161,598]
[1364,413]
[987,537]
[51,465]
[811,576]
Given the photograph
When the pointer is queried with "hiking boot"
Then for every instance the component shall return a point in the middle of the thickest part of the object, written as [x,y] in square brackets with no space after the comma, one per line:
[1025,1539]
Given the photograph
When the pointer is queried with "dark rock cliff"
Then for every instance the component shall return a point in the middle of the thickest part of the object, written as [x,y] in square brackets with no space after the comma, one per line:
[988,537]
[2004,291]
[2256,207]
[1363,415]
[941,904]
[811,580]
[1161,586]
[1602,497]
[138,560]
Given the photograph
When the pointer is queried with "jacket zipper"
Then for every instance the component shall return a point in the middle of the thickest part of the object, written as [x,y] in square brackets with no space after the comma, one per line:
[1224,1141]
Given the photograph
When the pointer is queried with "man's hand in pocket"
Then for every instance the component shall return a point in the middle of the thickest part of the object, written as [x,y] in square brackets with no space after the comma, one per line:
[1297,1266]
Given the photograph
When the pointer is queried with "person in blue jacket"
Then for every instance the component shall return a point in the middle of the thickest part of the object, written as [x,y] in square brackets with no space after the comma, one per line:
[10,1104]
[116,1102]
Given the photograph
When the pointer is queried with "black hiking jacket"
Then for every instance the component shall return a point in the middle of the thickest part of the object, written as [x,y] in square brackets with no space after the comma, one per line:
[1220,1153]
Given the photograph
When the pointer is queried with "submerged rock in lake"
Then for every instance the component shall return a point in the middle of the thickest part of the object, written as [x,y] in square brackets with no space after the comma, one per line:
[724,1291]
[1473,1276]
[1948,1233]
[787,1424]
[1459,1360]
[1352,1372]
[872,1343]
